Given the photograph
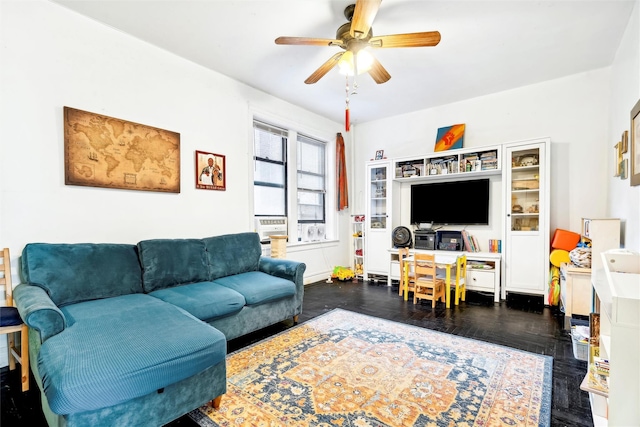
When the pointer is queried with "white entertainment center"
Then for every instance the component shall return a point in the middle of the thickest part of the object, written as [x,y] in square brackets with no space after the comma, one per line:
[519,200]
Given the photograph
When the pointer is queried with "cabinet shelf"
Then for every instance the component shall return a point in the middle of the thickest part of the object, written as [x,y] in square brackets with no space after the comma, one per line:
[444,165]
[585,386]
[526,200]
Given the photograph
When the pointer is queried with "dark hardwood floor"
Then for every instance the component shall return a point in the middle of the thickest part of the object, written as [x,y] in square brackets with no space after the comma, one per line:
[521,322]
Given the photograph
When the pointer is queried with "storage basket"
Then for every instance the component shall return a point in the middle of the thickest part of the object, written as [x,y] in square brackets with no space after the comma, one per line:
[580,349]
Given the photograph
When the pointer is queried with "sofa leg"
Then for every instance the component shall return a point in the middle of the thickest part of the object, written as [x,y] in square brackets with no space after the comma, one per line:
[216,402]
[295,319]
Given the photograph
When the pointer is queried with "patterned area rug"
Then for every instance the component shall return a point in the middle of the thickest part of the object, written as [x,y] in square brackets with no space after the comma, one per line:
[349,369]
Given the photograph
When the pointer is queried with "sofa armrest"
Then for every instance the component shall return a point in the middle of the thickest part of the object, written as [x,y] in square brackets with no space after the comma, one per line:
[286,269]
[38,311]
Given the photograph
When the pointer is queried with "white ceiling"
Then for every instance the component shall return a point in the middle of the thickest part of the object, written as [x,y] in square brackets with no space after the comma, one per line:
[486,47]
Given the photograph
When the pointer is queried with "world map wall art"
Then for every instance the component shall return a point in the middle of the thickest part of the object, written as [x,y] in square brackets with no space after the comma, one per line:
[102,151]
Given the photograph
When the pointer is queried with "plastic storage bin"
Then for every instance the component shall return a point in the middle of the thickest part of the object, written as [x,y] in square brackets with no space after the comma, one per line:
[580,349]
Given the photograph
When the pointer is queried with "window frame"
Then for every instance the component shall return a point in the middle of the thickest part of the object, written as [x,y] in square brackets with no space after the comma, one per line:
[330,217]
[284,139]
[313,141]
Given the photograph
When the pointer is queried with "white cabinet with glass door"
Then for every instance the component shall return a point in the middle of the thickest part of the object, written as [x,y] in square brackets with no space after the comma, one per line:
[378,218]
[527,223]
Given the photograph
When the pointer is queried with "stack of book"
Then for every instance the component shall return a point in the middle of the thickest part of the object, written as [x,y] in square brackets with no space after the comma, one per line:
[443,165]
[470,242]
[489,160]
[495,245]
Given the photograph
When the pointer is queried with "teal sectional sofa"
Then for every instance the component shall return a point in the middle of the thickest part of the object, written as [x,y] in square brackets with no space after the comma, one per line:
[136,335]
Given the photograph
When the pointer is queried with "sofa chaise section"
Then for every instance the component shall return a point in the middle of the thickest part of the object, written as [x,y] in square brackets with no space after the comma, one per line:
[102,349]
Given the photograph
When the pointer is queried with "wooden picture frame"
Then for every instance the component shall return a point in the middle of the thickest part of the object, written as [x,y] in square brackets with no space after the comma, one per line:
[379,154]
[635,145]
[211,171]
[624,141]
[104,151]
[623,168]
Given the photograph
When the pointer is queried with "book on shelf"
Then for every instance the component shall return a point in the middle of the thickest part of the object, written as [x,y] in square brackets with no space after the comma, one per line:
[476,245]
[601,366]
[594,329]
[467,241]
[597,381]
[470,242]
[495,245]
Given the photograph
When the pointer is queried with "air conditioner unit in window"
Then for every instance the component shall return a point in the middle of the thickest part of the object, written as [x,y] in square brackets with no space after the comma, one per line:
[271,226]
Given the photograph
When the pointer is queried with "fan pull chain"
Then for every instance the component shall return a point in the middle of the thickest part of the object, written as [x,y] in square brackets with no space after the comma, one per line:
[346,111]
[355,74]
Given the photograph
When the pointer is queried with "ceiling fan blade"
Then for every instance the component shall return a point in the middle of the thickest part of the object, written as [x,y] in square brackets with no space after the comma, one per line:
[363,17]
[378,72]
[308,41]
[324,68]
[429,38]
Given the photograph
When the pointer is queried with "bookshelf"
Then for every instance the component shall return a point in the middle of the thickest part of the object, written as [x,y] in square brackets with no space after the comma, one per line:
[357,226]
[463,163]
[615,397]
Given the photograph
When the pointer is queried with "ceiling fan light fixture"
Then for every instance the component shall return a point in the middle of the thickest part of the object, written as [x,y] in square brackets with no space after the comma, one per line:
[346,64]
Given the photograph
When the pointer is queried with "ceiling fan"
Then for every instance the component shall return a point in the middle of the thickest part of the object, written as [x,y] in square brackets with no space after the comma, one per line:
[356,35]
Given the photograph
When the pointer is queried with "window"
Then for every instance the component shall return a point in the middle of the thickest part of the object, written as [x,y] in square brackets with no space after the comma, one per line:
[311,180]
[270,173]
[296,188]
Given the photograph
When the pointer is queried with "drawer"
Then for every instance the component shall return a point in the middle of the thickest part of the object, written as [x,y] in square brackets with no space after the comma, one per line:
[482,280]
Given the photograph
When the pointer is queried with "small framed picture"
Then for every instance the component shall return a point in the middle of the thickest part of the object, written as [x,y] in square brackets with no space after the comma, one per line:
[623,168]
[379,154]
[625,142]
[210,171]
[634,141]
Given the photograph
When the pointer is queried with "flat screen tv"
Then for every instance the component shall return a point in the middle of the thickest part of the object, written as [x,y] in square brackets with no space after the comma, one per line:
[451,203]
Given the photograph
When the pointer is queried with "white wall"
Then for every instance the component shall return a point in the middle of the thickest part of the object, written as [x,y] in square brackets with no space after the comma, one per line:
[572,111]
[624,200]
[51,58]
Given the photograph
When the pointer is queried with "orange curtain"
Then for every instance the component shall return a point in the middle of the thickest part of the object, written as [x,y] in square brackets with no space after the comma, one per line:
[341,174]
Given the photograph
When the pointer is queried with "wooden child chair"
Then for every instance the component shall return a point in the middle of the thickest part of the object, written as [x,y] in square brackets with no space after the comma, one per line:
[427,284]
[461,279]
[11,323]
[406,275]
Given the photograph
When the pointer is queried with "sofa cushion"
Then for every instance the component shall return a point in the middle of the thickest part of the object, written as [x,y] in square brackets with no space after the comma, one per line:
[72,273]
[232,254]
[120,348]
[171,262]
[258,287]
[205,300]
[9,316]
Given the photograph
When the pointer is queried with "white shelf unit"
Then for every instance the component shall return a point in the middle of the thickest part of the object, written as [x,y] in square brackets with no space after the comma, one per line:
[526,200]
[382,200]
[617,289]
[455,164]
[358,238]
